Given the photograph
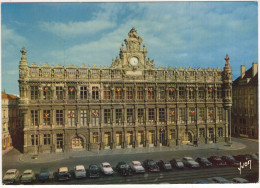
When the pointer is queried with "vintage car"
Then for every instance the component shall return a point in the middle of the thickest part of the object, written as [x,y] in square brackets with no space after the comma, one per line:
[137,167]
[177,163]
[230,160]
[217,161]
[218,180]
[63,174]
[151,166]
[124,169]
[254,158]
[242,158]
[164,166]
[189,162]
[28,176]
[204,162]
[11,176]
[44,174]
[93,171]
[106,168]
[80,172]
[239,180]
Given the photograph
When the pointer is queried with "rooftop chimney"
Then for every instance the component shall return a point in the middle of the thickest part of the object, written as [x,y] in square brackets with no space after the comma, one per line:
[254,69]
[243,71]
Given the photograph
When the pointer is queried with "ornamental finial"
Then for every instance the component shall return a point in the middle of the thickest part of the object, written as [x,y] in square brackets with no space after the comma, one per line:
[227,59]
[23,51]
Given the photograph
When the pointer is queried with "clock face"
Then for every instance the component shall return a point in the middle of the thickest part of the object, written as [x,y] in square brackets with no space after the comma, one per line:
[133,61]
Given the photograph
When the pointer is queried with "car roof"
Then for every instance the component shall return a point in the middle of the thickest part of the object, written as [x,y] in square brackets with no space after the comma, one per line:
[63,169]
[80,167]
[135,162]
[27,171]
[219,179]
[187,157]
[122,163]
[240,179]
[105,163]
[11,170]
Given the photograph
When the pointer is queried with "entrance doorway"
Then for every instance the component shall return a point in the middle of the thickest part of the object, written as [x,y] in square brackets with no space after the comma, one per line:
[59,142]
[151,138]
[107,140]
[187,137]
[77,143]
[140,138]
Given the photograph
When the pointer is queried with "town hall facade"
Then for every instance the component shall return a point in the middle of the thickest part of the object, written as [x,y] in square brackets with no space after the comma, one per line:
[130,104]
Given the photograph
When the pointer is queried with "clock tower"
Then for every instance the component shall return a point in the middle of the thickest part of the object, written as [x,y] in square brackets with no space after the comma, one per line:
[132,56]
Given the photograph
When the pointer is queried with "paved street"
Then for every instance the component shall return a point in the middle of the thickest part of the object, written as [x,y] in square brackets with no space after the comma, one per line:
[12,160]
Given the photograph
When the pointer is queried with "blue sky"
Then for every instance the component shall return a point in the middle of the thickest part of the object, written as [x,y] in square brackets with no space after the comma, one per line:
[187,34]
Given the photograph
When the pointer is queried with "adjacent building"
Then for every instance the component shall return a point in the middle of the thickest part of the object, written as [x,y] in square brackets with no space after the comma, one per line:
[245,112]
[126,105]
[10,121]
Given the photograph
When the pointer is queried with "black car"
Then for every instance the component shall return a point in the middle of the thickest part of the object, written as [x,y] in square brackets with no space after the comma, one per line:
[151,166]
[166,166]
[93,171]
[230,160]
[124,169]
[177,163]
[242,158]
[217,161]
[44,174]
[204,162]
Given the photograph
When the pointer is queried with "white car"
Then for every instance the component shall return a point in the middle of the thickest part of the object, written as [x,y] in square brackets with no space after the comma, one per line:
[137,167]
[11,176]
[106,168]
[80,172]
[189,162]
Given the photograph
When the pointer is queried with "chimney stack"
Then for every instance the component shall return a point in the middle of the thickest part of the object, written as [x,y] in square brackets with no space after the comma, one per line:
[254,69]
[243,71]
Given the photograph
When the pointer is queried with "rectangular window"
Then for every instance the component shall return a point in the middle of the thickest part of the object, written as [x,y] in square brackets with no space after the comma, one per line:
[34,140]
[107,116]
[192,115]
[71,118]
[47,93]
[118,93]
[150,93]
[140,115]
[161,93]
[71,92]
[181,92]
[220,132]
[161,115]
[220,114]
[191,93]
[46,117]
[83,92]
[83,117]
[95,137]
[129,93]
[151,114]
[171,93]
[210,93]
[95,93]
[210,114]
[95,117]
[59,93]
[130,115]
[201,93]
[201,132]
[172,134]
[34,92]
[140,94]
[219,93]
[172,115]
[119,116]
[211,134]
[201,114]
[46,139]
[34,117]
[182,115]
[59,117]
[107,93]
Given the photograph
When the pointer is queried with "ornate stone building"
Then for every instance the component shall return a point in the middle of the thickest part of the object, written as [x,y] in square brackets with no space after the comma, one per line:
[129,104]
[245,103]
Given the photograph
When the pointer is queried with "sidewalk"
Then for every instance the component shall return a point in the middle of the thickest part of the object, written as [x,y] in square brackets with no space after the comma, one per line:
[7,150]
[50,157]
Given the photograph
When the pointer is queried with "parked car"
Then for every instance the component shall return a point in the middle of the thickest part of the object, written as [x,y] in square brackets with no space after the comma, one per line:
[204,162]
[106,168]
[230,160]
[11,176]
[80,172]
[44,174]
[189,162]
[242,158]
[239,180]
[165,166]
[93,171]
[177,163]
[218,180]
[124,169]
[28,176]
[217,161]
[151,166]
[63,174]
[254,158]
[137,167]
[201,182]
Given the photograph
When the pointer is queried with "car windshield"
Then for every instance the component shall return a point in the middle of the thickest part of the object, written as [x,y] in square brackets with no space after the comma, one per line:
[27,173]
[93,167]
[151,163]
[204,159]
[124,166]
[189,159]
[44,171]
[254,156]
[107,166]
[10,173]
[137,164]
[80,170]
[230,157]
[179,163]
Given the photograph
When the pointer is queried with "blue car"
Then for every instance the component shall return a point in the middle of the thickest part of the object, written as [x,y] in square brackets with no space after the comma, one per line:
[44,174]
